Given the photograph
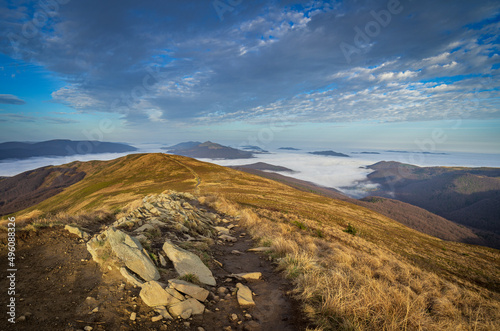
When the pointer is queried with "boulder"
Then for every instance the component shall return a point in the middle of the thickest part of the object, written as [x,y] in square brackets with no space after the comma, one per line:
[154,295]
[75,230]
[190,289]
[130,277]
[244,296]
[182,308]
[129,250]
[187,263]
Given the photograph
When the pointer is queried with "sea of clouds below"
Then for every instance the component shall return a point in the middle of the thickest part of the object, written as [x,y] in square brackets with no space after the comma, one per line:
[346,174]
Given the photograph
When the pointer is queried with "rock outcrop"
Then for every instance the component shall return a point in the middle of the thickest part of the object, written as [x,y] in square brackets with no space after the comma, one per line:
[129,250]
[188,263]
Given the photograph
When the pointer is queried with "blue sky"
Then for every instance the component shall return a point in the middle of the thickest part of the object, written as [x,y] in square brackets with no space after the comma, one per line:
[363,74]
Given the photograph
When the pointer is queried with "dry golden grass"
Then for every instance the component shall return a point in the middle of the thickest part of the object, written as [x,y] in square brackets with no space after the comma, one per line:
[344,287]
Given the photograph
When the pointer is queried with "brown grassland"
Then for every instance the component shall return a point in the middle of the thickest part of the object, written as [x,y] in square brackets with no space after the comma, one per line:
[386,277]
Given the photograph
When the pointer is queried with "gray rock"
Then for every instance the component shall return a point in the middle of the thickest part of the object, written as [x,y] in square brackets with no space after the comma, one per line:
[221,230]
[129,250]
[130,278]
[145,227]
[163,312]
[225,237]
[248,276]
[75,230]
[179,308]
[154,295]
[244,296]
[163,262]
[187,263]
[190,289]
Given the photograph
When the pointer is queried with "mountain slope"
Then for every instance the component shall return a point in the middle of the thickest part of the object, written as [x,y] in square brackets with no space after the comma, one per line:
[111,184]
[31,187]
[412,216]
[20,150]
[386,264]
[468,196]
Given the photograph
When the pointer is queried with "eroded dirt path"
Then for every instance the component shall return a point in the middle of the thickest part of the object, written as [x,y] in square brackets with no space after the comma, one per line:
[274,310]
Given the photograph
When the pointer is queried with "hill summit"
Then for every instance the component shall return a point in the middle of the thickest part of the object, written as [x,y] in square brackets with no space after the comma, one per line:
[208,150]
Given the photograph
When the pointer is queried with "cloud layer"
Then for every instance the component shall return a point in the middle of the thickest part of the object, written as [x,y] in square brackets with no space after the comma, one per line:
[184,62]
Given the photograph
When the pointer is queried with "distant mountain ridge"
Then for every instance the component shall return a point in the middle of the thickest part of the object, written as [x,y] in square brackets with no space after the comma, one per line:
[59,147]
[208,150]
[329,153]
[468,196]
[262,166]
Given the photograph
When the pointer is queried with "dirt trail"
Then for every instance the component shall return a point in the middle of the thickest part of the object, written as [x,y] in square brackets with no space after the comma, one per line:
[274,310]
[59,287]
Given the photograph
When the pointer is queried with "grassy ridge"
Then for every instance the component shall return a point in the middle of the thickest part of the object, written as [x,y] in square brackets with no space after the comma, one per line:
[318,223]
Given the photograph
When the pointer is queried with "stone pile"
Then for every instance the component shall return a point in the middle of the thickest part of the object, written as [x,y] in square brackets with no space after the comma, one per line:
[164,220]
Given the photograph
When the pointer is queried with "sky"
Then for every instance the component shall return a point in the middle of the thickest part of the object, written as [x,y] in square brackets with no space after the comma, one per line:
[415,75]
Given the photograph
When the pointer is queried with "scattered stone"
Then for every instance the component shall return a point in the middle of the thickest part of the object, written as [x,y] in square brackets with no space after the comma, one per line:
[75,230]
[221,230]
[133,316]
[200,329]
[187,324]
[163,262]
[179,308]
[234,317]
[88,328]
[163,312]
[222,290]
[244,296]
[248,276]
[95,310]
[247,315]
[230,226]
[237,252]
[154,295]
[192,290]
[130,278]
[145,227]
[227,238]
[21,318]
[260,249]
[187,263]
[156,318]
